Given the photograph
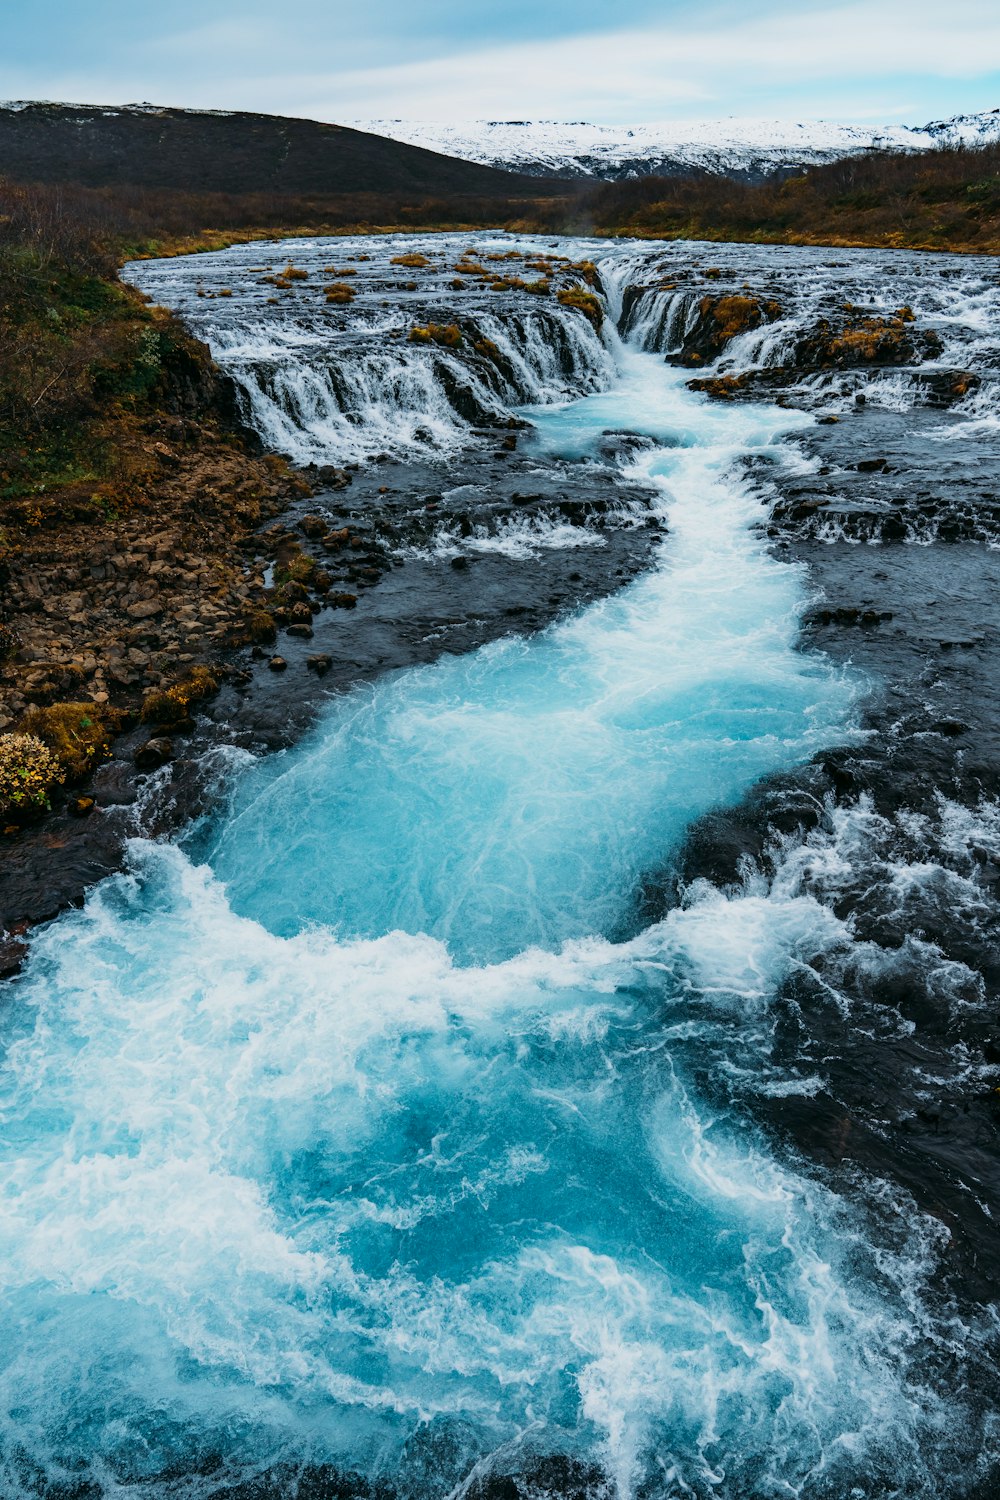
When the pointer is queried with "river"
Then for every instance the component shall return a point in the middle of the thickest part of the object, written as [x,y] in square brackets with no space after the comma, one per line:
[373,1137]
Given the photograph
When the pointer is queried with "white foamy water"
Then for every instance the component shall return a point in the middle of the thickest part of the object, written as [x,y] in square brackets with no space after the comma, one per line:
[365,1130]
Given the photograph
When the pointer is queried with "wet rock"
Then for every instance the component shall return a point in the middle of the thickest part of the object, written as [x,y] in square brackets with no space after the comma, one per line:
[722,387]
[950,728]
[80,807]
[718,320]
[277,664]
[301,630]
[320,663]
[12,956]
[332,477]
[333,541]
[849,615]
[154,753]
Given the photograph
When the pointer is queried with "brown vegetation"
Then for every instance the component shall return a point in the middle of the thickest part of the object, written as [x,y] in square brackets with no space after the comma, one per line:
[448,335]
[584,302]
[78,734]
[947,199]
[126,493]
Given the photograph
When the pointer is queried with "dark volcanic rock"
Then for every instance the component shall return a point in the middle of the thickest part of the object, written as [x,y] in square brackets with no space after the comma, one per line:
[153,754]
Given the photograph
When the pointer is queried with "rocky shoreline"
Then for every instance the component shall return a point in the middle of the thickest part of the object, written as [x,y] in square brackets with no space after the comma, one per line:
[349,574]
[896,1037]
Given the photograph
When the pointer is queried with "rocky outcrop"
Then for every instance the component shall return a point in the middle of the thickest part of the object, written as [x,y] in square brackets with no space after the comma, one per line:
[719,320]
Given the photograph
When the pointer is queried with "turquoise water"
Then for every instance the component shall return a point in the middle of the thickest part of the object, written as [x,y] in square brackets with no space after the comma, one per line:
[521,794]
[360,1131]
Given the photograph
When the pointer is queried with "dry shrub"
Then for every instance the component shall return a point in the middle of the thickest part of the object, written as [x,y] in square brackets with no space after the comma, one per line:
[414,260]
[78,734]
[171,705]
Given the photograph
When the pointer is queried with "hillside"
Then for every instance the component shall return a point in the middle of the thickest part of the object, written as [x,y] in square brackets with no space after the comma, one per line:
[945,199]
[748,150]
[201,151]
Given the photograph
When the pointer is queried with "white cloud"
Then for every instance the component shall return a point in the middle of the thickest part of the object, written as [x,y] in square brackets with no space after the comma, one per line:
[643,74]
[835,60]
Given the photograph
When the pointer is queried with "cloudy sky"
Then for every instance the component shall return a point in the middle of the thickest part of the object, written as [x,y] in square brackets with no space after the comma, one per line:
[633,61]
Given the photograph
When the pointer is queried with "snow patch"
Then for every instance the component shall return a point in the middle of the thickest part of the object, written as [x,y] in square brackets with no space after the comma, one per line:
[737,147]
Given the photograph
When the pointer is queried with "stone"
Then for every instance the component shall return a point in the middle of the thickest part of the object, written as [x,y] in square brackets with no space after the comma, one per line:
[79,807]
[144,609]
[278,664]
[154,753]
[320,664]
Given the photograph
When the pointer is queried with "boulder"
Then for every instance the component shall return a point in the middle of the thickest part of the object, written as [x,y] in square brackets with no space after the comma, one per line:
[154,753]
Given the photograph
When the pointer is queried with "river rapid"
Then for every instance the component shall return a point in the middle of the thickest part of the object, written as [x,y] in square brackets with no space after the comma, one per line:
[401,1129]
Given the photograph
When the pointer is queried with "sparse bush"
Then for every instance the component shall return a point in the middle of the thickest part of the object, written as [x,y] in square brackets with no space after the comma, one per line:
[260,627]
[28,773]
[78,734]
[414,260]
[171,705]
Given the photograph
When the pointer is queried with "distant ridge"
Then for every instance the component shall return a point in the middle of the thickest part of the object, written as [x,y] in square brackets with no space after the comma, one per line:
[745,149]
[233,152]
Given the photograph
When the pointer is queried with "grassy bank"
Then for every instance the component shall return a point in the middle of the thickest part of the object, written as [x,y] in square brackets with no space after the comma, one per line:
[127,494]
[938,200]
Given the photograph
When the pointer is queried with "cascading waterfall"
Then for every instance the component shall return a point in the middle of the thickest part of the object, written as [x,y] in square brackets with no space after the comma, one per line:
[363,1130]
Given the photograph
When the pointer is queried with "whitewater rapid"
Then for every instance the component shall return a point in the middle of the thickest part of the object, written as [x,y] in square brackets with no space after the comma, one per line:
[376,1124]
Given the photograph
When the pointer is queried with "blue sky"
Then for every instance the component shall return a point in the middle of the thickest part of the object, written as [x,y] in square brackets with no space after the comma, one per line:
[633,61]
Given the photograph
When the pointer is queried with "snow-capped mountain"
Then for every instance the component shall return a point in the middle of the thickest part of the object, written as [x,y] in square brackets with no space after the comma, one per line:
[738,148]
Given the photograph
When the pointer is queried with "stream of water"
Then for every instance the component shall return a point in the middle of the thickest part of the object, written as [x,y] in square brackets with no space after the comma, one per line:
[360,1129]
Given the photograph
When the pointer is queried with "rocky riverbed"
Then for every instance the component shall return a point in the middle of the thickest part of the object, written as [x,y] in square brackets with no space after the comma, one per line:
[370,569]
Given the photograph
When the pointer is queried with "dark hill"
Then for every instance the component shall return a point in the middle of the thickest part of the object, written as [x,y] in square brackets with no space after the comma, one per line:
[198,151]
